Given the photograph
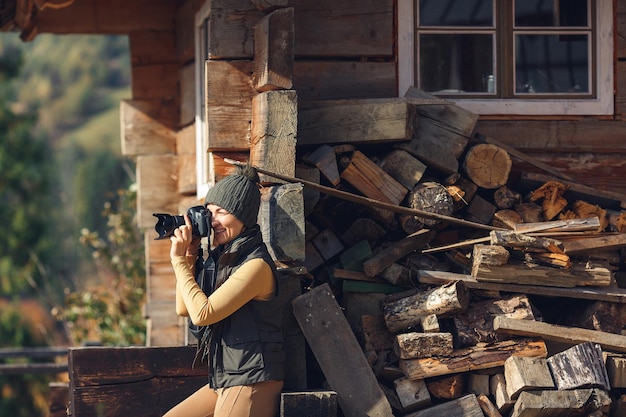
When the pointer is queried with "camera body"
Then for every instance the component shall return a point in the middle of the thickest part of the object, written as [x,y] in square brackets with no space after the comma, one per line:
[200,222]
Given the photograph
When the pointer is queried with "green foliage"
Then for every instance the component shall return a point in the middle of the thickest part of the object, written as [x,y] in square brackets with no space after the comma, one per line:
[111,312]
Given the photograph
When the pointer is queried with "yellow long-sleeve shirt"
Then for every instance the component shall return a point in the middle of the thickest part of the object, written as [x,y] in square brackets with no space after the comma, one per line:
[253,280]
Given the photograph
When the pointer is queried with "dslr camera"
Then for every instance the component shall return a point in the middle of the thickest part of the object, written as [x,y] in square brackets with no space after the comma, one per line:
[200,222]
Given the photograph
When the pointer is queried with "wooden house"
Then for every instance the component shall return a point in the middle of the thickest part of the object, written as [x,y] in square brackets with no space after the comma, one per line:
[241,79]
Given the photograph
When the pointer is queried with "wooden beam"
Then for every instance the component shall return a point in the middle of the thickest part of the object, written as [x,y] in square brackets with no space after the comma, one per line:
[615,295]
[569,335]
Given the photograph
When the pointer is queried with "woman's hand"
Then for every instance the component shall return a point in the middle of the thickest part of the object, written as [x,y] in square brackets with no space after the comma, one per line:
[182,240]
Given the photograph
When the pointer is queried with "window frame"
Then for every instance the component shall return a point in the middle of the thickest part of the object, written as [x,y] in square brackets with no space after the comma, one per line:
[601,104]
[204,162]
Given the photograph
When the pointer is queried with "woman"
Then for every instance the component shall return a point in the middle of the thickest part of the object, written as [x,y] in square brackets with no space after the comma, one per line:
[232,300]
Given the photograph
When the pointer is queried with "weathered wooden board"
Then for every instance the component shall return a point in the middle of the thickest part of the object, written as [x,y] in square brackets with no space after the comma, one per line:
[116,381]
[330,28]
[358,121]
[339,354]
[157,187]
[318,80]
[229,93]
[308,403]
[148,126]
[466,406]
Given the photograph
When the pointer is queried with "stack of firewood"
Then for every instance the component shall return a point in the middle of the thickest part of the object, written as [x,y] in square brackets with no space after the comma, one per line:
[472,289]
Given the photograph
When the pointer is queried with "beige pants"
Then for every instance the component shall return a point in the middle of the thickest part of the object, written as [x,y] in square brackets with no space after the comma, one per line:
[256,400]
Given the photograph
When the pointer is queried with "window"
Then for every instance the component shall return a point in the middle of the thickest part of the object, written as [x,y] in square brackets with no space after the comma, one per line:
[529,57]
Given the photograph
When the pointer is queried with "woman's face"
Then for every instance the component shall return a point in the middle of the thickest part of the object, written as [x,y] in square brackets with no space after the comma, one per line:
[225,226]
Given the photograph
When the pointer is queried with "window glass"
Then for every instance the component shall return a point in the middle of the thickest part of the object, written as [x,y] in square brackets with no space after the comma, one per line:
[551,13]
[456,13]
[552,63]
[453,63]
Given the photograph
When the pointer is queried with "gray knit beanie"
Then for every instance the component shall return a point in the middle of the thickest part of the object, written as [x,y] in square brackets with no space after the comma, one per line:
[239,194]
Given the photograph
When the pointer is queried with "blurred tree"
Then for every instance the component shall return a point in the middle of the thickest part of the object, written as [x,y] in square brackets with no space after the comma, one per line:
[111,311]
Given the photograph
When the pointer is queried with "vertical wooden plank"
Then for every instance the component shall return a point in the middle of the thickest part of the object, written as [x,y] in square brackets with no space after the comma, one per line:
[274,130]
[273,50]
[339,354]
[147,126]
[229,93]
[157,189]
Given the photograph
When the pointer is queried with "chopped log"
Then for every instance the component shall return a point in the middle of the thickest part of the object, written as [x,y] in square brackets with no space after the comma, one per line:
[505,198]
[430,324]
[615,295]
[448,386]
[526,374]
[327,243]
[462,191]
[581,402]
[397,275]
[281,217]
[363,228]
[308,403]
[487,406]
[551,196]
[431,197]
[445,112]
[376,335]
[473,358]
[489,255]
[352,258]
[575,191]
[478,383]
[564,225]
[619,406]
[506,219]
[475,324]
[581,366]
[372,181]
[480,210]
[397,250]
[415,345]
[520,241]
[403,167]
[582,209]
[616,370]
[568,335]
[466,406]
[497,385]
[444,301]
[355,121]
[273,50]
[487,165]
[530,212]
[602,316]
[318,311]
[579,275]
[549,259]
[434,154]
[325,159]
[413,395]
[269,5]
